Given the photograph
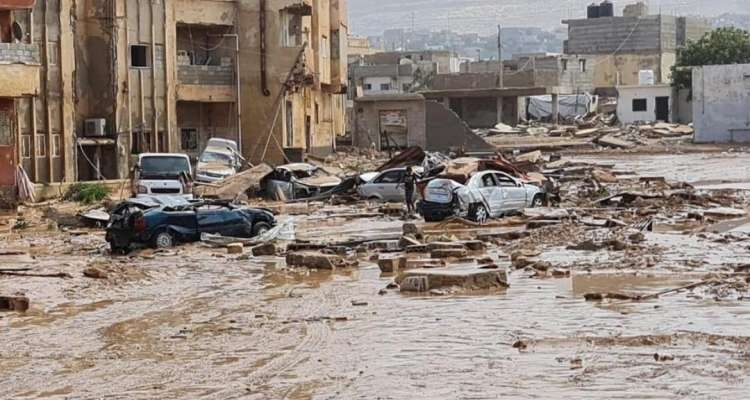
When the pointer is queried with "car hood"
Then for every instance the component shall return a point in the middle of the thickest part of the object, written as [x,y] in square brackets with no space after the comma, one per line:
[216,168]
[368,176]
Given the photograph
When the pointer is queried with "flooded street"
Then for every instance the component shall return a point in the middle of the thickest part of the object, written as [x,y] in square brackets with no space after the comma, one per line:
[196,322]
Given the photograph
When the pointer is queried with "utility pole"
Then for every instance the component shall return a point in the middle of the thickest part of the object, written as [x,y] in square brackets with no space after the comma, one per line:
[500,52]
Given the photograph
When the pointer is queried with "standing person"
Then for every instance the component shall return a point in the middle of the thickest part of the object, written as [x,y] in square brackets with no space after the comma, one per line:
[410,181]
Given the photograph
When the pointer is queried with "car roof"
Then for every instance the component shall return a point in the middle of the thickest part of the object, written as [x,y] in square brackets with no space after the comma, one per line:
[216,149]
[144,155]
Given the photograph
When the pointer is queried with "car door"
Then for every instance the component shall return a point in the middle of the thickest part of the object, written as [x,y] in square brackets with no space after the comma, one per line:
[514,194]
[491,193]
[210,220]
[388,186]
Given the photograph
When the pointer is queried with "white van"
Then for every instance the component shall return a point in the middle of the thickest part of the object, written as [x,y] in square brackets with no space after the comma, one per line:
[163,174]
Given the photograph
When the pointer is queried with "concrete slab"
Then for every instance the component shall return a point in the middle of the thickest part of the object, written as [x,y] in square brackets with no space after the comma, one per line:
[466,277]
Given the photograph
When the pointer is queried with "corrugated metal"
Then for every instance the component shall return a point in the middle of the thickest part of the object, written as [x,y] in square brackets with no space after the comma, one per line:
[16,4]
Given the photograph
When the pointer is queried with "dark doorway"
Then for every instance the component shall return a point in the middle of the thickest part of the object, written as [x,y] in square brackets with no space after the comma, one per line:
[289,124]
[308,134]
[662,109]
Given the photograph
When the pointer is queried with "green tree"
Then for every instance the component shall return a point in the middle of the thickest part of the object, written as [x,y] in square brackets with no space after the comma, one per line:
[720,46]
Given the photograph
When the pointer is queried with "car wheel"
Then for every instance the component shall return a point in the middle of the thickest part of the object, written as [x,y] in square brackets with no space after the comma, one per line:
[163,240]
[261,228]
[117,250]
[479,214]
[538,201]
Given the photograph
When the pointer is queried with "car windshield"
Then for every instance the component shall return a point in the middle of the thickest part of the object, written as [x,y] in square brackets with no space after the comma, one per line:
[221,158]
[164,166]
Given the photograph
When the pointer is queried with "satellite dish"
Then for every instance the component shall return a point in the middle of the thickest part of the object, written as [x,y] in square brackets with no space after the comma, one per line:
[17,31]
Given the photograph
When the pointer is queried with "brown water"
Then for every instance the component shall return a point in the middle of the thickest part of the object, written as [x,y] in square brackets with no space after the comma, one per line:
[196,323]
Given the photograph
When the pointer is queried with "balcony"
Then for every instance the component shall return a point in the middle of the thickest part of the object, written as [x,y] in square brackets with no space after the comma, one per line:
[19,69]
[206,83]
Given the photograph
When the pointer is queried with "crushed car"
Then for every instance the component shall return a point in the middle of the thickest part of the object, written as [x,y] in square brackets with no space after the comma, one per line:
[386,186]
[218,161]
[298,181]
[164,223]
[486,194]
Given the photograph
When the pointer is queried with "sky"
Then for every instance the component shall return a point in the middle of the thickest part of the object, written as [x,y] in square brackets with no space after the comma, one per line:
[371,17]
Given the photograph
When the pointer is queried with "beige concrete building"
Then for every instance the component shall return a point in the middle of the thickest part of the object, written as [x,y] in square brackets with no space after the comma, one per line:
[86,84]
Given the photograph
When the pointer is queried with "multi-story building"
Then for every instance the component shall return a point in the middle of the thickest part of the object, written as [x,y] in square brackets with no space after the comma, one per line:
[85,85]
[619,47]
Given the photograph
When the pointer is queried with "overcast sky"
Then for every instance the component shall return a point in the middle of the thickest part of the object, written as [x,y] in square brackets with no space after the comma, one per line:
[370,17]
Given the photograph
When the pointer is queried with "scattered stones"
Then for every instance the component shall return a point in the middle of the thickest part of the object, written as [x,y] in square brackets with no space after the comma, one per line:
[14,303]
[235,248]
[95,273]
[449,253]
[411,229]
[318,261]
[266,249]
[391,264]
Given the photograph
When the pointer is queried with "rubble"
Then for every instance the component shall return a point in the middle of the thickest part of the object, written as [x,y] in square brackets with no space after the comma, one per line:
[472,278]
[313,260]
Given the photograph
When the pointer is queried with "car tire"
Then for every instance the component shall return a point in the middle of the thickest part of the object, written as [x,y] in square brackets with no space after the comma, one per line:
[432,218]
[163,240]
[260,228]
[479,214]
[118,250]
[538,201]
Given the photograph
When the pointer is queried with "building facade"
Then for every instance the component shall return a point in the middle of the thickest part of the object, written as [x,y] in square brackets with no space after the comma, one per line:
[621,46]
[87,84]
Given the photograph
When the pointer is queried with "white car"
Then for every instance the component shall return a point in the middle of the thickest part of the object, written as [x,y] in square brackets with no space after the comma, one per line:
[487,194]
[216,163]
[162,174]
[387,186]
[299,181]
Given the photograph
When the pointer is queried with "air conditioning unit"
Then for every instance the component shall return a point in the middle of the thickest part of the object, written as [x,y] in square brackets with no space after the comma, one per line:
[95,127]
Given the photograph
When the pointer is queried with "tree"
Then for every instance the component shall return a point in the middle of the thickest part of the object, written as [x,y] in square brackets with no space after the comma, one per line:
[720,46]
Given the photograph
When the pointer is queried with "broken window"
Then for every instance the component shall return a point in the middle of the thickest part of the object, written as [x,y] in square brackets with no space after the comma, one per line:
[138,56]
[291,32]
[25,146]
[640,105]
[41,146]
[55,146]
[189,139]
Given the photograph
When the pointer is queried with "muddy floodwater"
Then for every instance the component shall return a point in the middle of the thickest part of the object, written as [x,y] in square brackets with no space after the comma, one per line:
[195,322]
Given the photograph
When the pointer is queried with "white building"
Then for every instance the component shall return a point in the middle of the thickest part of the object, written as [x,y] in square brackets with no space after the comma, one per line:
[721,103]
[647,103]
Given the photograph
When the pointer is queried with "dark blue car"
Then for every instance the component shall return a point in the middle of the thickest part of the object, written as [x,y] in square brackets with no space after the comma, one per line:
[160,225]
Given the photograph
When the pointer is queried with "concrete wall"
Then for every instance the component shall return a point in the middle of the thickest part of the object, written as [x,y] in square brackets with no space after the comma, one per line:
[367,121]
[721,103]
[626,95]
[615,34]
[622,69]
[447,132]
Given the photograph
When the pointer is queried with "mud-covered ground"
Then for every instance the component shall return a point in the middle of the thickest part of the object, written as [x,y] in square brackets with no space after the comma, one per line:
[196,322]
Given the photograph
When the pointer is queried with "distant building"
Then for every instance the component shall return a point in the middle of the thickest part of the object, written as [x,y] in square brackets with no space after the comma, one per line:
[621,46]
[721,100]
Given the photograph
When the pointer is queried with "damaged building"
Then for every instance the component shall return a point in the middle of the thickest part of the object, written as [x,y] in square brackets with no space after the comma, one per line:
[86,85]
[619,47]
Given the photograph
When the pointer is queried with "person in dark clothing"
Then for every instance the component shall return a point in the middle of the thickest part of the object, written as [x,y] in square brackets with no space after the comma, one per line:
[410,181]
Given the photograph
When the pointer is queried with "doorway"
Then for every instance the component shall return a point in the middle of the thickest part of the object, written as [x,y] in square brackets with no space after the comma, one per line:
[662,109]
[7,142]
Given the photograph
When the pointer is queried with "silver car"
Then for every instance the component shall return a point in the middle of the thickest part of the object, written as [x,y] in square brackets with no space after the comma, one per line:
[487,194]
[299,181]
[387,186]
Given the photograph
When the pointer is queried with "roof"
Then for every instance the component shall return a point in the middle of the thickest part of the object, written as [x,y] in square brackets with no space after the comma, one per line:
[390,97]
[490,92]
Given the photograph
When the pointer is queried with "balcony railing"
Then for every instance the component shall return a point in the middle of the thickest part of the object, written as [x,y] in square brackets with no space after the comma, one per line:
[19,53]
[206,75]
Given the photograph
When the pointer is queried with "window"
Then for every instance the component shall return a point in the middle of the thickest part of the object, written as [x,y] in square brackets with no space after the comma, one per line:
[317,113]
[41,146]
[488,181]
[291,32]
[55,148]
[138,56]
[564,64]
[289,124]
[368,86]
[406,87]
[505,181]
[26,146]
[582,65]
[391,177]
[189,139]
[385,86]
[640,105]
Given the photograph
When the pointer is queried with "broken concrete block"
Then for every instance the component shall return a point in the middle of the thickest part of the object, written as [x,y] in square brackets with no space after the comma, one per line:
[603,176]
[235,248]
[423,280]
[541,223]
[423,248]
[448,253]
[384,245]
[407,241]
[446,246]
[317,261]
[391,264]
[611,141]
[424,263]
[95,273]
[474,245]
[411,229]
[392,209]
[14,303]
[266,249]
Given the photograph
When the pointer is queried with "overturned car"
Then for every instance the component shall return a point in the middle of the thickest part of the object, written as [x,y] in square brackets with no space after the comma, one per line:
[485,194]
[163,224]
[298,181]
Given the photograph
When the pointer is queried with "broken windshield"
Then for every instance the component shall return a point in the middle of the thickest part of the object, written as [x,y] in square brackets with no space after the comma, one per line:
[219,158]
